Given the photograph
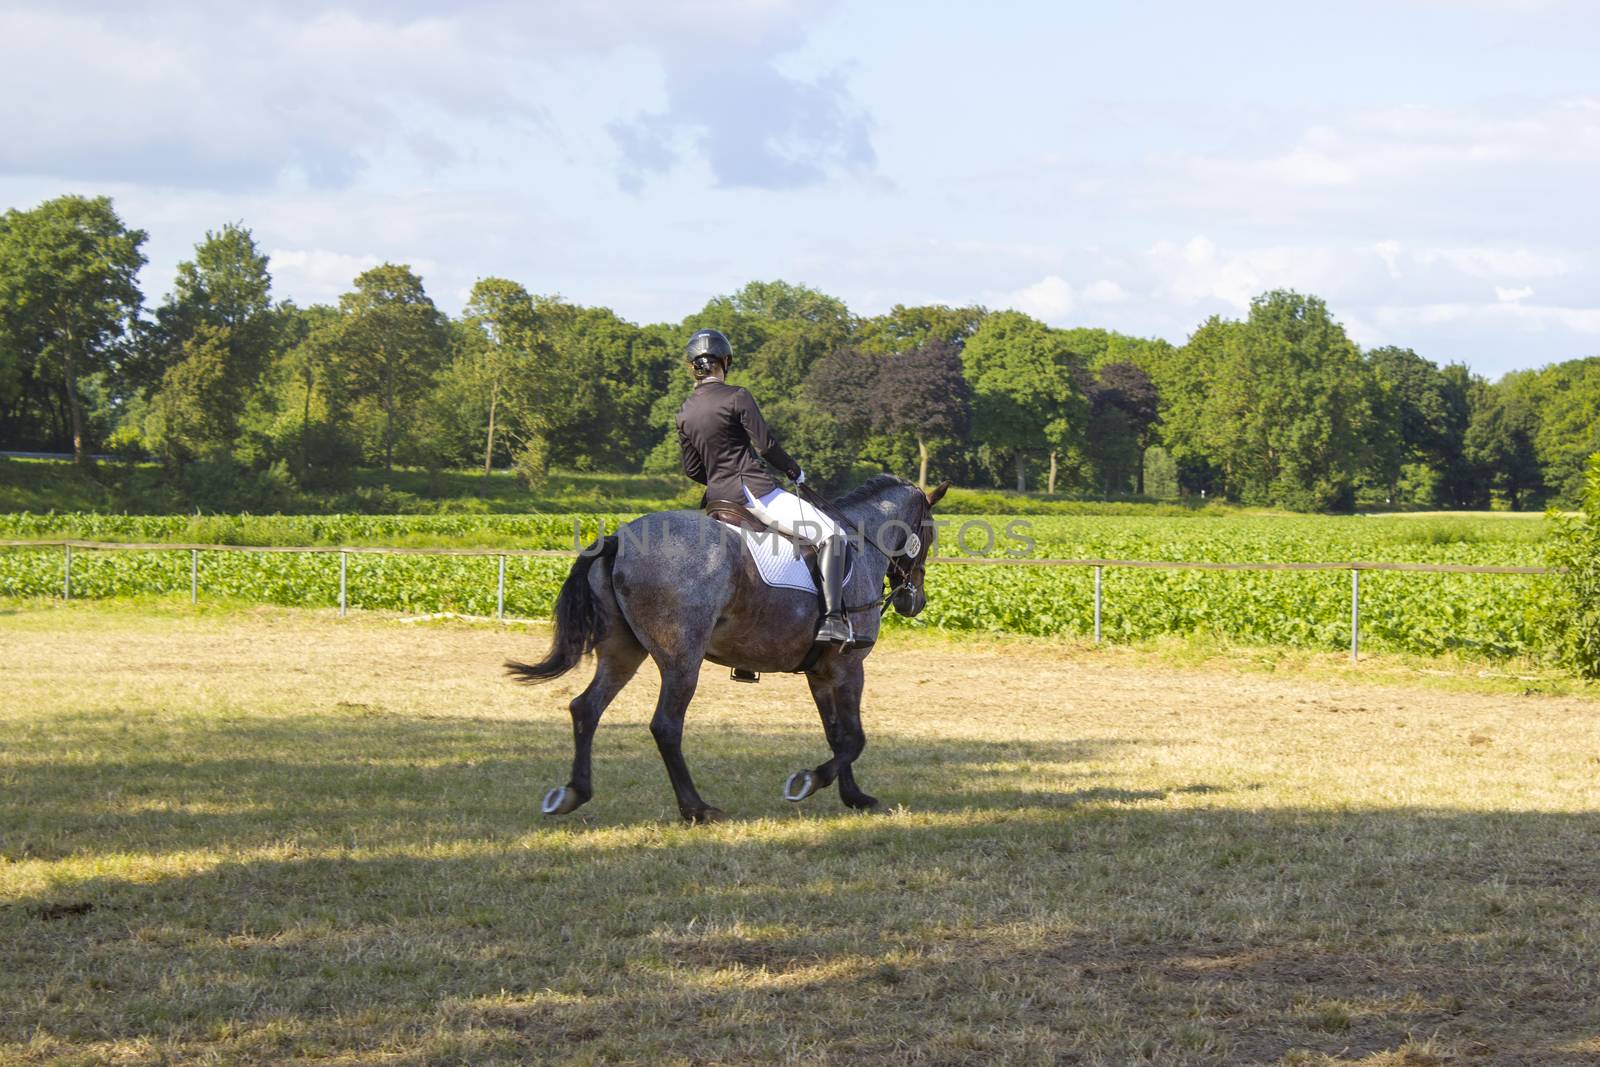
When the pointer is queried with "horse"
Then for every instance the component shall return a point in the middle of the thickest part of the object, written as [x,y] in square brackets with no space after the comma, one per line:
[679,587]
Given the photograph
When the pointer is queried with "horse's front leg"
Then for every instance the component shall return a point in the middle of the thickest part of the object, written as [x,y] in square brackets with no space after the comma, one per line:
[678,683]
[837,691]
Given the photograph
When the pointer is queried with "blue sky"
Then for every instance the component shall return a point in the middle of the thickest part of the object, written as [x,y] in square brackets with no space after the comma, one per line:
[1427,166]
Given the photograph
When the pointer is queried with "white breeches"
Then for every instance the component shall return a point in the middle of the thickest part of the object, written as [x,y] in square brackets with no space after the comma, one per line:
[788,514]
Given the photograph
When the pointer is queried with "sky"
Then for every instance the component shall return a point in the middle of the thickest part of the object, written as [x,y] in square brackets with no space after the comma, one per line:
[1428,167]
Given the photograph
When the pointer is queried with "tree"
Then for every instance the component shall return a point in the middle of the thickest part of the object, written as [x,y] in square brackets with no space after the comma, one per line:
[778,330]
[392,342]
[609,373]
[923,393]
[1567,398]
[1461,484]
[1025,394]
[1500,440]
[197,399]
[514,356]
[844,385]
[1419,421]
[904,328]
[311,338]
[1124,410]
[69,294]
[220,314]
[1280,405]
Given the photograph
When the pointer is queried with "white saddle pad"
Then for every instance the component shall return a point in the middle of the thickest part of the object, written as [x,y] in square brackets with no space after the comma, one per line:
[775,559]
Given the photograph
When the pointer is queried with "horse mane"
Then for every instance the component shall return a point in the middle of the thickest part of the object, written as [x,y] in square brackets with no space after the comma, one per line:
[872,488]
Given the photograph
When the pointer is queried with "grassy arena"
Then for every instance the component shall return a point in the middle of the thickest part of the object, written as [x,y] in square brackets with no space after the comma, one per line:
[267,835]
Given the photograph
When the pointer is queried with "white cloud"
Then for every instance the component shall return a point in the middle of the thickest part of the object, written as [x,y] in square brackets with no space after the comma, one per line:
[1050,298]
[231,96]
[1511,296]
[1389,252]
[1524,317]
[316,274]
[1198,272]
[1496,263]
[321,275]
[1104,291]
[1305,166]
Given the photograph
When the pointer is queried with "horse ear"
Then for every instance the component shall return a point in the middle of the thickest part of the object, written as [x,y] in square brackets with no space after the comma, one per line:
[937,494]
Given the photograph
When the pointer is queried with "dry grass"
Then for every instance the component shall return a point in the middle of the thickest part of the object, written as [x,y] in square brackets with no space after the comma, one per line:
[272,836]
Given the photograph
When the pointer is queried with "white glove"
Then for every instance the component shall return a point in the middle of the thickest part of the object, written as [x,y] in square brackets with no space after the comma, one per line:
[800,479]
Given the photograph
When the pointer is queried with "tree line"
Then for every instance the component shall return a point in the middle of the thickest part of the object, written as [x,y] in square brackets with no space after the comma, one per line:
[1277,408]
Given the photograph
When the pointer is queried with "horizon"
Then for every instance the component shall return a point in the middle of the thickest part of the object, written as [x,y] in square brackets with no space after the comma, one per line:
[1421,166]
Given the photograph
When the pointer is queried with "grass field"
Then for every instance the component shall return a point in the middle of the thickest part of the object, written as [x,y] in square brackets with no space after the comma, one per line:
[265,836]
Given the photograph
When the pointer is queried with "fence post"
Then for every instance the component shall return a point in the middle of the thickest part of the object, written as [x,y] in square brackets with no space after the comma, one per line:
[500,592]
[194,575]
[343,556]
[1355,613]
[1097,571]
[66,579]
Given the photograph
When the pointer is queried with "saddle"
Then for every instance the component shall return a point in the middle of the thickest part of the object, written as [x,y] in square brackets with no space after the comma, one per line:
[737,515]
[740,517]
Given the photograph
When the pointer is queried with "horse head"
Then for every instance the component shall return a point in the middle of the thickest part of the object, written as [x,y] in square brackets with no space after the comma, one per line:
[908,597]
[896,518]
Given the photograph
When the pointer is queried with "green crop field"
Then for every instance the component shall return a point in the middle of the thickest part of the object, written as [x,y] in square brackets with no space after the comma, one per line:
[1476,615]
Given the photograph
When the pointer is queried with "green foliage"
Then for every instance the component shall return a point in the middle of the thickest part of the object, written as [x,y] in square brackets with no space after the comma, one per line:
[391,342]
[69,295]
[196,409]
[1500,438]
[1160,474]
[1478,615]
[1280,406]
[607,376]
[904,328]
[1026,396]
[531,463]
[120,488]
[1565,398]
[1279,410]
[1571,606]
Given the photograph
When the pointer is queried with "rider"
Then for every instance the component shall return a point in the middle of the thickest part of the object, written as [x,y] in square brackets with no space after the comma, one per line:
[720,433]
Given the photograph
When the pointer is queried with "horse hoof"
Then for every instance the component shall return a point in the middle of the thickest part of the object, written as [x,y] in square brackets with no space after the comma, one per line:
[800,785]
[704,815]
[560,801]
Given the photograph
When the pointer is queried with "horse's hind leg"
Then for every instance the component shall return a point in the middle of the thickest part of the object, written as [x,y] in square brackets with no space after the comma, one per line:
[838,697]
[616,659]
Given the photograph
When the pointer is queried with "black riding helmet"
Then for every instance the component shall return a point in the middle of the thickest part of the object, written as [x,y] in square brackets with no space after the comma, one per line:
[706,347]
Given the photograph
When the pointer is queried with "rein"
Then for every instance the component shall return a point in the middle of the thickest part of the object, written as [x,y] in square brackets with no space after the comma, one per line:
[899,575]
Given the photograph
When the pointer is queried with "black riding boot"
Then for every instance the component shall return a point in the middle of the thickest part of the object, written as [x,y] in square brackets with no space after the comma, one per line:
[834,628]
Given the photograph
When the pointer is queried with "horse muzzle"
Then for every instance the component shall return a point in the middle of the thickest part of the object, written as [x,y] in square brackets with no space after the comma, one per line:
[908,600]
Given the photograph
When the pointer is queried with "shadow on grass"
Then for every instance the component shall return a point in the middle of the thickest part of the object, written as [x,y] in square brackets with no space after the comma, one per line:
[360,774]
[405,901]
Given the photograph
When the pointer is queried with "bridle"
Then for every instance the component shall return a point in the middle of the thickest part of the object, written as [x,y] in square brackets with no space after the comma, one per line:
[901,576]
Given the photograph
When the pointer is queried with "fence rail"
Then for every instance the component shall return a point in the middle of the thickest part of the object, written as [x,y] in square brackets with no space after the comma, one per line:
[1355,567]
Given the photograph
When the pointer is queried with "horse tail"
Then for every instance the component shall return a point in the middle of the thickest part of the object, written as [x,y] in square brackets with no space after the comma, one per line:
[580,623]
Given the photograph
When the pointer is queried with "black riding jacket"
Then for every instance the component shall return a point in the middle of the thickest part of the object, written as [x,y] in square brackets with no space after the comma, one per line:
[720,433]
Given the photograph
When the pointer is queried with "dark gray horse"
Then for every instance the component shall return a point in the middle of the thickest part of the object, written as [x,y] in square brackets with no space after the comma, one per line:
[679,587]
